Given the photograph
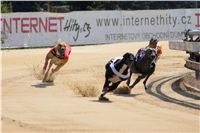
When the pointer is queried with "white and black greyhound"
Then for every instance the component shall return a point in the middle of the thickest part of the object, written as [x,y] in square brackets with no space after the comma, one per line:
[117,70]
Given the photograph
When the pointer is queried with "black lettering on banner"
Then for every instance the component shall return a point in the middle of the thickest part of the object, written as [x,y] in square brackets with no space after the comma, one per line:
[162,35]
[77,30]
[86,28]
[183,19]
[122,36]
[189,20]
[157,20]
[72,25]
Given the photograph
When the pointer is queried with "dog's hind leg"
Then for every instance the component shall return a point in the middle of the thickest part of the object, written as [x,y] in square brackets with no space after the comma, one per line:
[114,86]
[150,73]
[106,85]
[105,90]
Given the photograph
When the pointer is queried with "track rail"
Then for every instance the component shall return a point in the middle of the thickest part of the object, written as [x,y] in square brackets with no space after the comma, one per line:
[193,48]
[185,46]
[193,65]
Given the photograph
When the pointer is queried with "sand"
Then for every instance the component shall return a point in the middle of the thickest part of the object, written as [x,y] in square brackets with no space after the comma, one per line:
[30,106]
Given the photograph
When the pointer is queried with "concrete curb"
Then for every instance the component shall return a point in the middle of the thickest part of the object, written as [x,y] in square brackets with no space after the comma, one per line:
[191,88]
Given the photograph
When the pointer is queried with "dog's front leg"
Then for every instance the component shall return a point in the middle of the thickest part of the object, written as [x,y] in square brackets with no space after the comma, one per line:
[129,80]
[46,63]
[46,74]
[56,69]
[137,81]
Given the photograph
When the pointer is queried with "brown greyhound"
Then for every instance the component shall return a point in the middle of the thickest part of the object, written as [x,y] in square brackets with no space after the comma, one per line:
[58,56]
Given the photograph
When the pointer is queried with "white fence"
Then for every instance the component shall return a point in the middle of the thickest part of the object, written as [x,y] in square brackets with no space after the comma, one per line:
[94,27]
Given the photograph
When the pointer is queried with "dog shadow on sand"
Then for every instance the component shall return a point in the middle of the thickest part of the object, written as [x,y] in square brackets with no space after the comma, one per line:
[43,84]
[98,101]
[39,75]
[110,101]
[122,91]
[128,95]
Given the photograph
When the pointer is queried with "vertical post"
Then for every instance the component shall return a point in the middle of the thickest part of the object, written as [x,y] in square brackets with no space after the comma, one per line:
[197,75]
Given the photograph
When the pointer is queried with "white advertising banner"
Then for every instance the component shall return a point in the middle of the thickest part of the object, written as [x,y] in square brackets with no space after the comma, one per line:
[94,27]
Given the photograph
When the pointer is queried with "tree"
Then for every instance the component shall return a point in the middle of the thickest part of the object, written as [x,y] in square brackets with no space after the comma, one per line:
[35,6]
[5,7]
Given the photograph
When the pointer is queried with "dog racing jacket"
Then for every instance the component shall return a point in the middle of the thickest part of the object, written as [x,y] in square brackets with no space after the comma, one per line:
[118,74]
[57,54]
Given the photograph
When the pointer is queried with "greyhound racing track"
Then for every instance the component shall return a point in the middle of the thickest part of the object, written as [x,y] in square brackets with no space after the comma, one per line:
[30,106]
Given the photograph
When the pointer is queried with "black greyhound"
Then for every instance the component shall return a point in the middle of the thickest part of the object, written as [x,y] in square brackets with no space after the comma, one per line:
[117,70]
[145,67]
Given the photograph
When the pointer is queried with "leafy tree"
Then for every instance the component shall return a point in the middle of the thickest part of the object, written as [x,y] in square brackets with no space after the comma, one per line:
[35,6]
[5,7]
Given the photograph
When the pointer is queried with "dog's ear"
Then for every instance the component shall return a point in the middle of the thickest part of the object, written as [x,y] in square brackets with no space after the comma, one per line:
[129,56]
[126,55]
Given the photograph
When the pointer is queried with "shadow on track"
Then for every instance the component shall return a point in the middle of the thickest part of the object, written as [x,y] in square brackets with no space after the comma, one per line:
[123,95]
[166,98]
[176,87]
[128,95]
[42,85]
[98,101]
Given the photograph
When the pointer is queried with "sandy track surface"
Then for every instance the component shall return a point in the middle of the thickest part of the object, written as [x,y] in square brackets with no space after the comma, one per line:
[30,106]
